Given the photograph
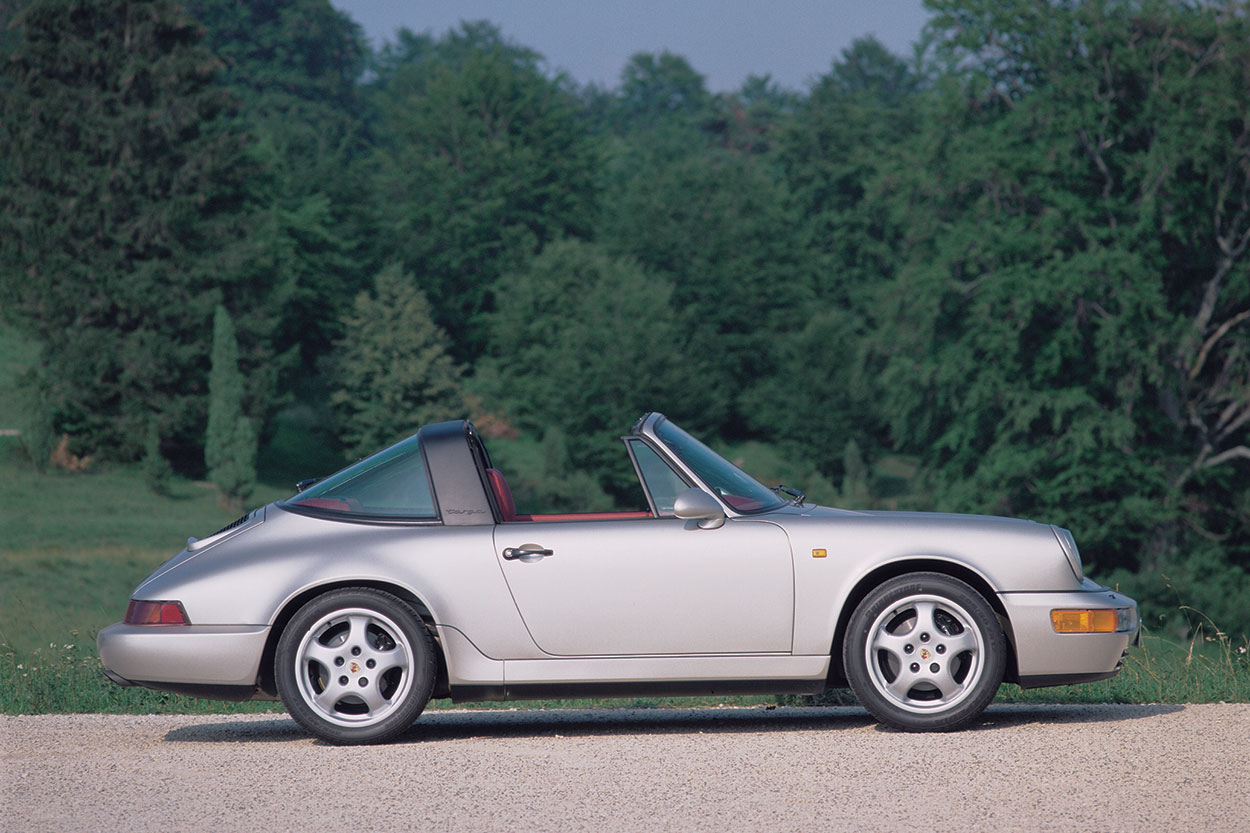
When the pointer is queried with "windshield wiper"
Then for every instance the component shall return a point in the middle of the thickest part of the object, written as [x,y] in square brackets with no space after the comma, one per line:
[797,496]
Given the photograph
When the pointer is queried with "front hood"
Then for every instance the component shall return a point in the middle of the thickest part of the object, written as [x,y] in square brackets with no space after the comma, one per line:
[942,516]
[1011,554]
[814,511]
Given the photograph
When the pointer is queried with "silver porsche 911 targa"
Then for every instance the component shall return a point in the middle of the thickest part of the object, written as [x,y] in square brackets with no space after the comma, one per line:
[411,575]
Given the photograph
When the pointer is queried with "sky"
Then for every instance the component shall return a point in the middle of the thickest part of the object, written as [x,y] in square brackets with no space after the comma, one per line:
[793,41]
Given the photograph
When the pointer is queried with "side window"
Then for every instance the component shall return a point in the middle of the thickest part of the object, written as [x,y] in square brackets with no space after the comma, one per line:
[400,490]
[661,482]
[390,484]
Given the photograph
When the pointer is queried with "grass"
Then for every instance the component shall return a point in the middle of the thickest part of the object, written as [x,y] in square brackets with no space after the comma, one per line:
[110,508]
[75,545]
[1211,668]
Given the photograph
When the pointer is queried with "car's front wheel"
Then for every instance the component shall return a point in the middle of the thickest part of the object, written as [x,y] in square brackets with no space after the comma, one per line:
[355,666]
[924,652]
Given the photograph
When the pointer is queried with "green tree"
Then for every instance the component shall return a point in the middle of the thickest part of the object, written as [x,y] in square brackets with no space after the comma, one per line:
[392,371]
[157,473]
[481,161]
[838,156]
[9,10]
[660,89]
[230,439]
[584,343]
[1068,326]
[753,119]
[822,394]
[284,55]
[716,226]
[840,162]
[692,192]
[294,68]
[124,195]
[855,487]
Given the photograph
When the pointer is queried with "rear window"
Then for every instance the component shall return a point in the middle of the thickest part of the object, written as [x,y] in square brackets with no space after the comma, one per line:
[390,484]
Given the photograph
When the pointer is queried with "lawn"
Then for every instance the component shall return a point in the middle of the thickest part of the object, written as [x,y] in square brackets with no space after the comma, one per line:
[74,546]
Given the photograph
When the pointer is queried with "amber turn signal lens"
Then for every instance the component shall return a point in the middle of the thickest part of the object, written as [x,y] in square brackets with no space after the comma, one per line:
[1084,621]
[155,613]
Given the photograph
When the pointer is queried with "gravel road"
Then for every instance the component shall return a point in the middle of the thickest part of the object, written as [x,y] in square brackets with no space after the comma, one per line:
[1028,768]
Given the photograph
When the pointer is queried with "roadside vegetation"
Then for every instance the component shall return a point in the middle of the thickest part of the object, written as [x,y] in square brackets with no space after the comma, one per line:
[1211,667]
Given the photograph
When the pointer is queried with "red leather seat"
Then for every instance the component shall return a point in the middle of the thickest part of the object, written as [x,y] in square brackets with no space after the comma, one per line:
[503,495]
[587,516]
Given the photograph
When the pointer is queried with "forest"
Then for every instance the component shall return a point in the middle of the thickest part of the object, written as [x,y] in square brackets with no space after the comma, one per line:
[1008,274]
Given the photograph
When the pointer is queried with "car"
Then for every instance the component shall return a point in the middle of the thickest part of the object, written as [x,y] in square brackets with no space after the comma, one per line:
[411,575]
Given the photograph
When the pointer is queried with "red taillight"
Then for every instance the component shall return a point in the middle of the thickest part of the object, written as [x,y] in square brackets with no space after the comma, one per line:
[155,613]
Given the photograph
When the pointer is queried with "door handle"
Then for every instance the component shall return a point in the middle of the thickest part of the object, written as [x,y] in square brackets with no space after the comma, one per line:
[526,552]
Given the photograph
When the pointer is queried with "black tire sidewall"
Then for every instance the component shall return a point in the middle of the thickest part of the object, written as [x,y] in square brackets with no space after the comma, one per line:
[422,667]
[888,594]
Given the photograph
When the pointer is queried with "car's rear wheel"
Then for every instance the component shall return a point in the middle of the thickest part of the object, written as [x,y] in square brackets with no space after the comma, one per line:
[355,666]
[924,652]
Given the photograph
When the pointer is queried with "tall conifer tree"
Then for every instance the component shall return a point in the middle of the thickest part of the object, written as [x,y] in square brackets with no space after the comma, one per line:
[481,161]
[393,371]
[124,193]
[230,441]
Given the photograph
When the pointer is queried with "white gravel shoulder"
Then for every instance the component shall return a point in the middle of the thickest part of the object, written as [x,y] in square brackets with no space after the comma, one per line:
[1022,768]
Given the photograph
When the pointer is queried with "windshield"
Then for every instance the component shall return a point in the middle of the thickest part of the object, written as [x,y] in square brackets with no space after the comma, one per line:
[740,490]
[390,484]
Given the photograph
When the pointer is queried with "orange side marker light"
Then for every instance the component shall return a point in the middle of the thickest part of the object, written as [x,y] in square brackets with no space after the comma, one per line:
[1083,621]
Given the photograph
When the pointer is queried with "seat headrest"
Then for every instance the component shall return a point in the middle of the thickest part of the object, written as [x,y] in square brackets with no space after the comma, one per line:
[503,495]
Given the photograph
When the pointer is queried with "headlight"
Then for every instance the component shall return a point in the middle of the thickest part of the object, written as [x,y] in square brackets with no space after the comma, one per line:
[1068,544]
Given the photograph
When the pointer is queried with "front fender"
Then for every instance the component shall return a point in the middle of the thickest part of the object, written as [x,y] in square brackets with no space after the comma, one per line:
[1006,554]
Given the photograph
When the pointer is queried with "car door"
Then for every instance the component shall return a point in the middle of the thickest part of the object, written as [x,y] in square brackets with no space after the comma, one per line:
[650,586]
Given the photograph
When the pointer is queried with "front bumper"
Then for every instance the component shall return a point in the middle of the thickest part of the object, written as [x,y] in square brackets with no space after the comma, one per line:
[183,655]
[1044,657]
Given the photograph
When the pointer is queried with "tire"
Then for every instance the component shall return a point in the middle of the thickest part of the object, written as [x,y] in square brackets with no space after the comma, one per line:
[924,652]
[355,666]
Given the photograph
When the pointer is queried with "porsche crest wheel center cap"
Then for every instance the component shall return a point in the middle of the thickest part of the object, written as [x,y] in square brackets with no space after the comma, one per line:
[924,654]
[355,667]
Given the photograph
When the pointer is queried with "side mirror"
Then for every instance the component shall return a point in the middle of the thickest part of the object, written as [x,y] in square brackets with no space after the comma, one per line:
[697,504]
